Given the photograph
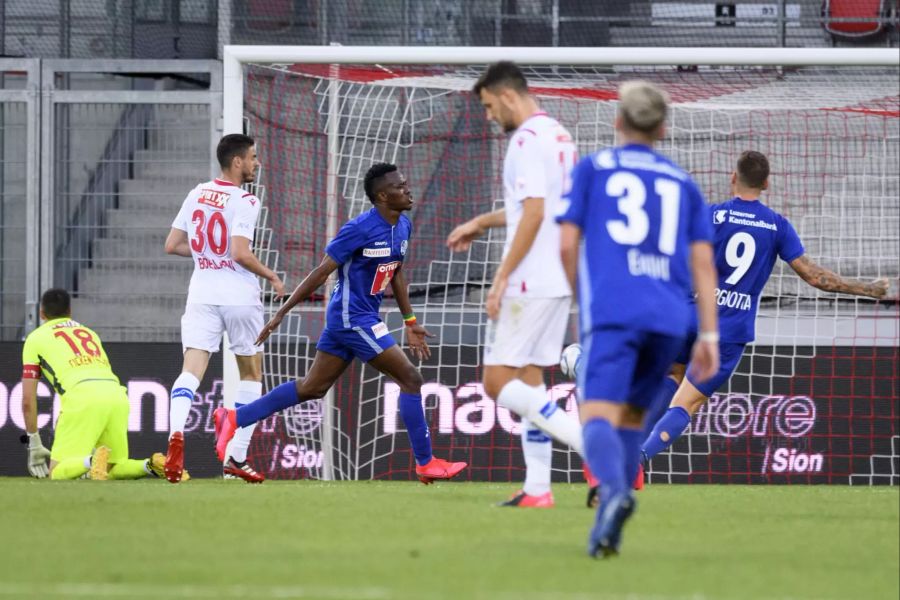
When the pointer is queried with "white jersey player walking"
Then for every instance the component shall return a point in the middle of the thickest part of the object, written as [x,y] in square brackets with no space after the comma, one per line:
[528,303]
[215,227]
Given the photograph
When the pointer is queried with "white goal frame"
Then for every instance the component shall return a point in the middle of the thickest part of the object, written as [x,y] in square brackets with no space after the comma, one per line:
[234,57]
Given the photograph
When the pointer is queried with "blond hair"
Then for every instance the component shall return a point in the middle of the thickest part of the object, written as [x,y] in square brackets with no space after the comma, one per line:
[643,105]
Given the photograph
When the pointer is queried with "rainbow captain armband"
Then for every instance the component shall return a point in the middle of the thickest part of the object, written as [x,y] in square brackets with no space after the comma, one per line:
[409,320]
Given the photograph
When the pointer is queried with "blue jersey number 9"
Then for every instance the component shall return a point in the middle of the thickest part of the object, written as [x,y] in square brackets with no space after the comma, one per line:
[739,253]
[632,195]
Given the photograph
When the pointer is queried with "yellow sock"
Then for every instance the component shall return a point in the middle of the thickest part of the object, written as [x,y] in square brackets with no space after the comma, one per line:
[128,469]
[70,468]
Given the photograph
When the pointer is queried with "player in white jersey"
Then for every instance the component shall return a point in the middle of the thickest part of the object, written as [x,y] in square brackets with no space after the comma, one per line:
[528,303]
[215,227]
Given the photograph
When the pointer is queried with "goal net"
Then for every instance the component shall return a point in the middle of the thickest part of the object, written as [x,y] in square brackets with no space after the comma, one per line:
[814,398]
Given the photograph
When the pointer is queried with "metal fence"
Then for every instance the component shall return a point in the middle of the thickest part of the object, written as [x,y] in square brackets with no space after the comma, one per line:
[758,23]
[19,188]
[112,147]
[109,28]
[199,28]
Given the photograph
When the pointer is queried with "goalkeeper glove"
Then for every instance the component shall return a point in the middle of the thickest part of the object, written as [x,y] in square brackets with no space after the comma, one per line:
[37,456]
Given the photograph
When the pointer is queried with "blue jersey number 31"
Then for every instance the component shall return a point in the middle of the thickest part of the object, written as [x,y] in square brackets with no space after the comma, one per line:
[632,195]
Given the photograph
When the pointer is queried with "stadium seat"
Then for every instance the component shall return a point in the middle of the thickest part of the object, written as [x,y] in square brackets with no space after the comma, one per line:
[269,15]
[875,10]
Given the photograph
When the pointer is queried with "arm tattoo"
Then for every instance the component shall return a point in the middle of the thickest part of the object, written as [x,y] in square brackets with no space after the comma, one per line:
[823,279]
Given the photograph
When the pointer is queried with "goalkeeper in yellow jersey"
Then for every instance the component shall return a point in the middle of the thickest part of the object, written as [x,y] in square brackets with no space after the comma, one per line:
[92,430]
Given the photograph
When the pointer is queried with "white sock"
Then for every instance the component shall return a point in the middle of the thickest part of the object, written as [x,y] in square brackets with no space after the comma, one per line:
[559,425]
[531,403]
[516,396]
[538,450]
[247,392]
[180,401]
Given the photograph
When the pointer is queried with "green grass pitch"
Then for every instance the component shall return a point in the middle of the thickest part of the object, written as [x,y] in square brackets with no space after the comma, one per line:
[386,540]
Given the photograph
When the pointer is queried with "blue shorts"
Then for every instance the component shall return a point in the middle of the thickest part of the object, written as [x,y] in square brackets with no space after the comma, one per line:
[729,356]
[626,365]
[365,343]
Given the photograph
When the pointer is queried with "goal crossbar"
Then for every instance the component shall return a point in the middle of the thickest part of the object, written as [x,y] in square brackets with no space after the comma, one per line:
[234,57]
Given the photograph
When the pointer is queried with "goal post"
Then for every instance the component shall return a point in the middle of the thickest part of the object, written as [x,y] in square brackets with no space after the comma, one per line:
[810,401]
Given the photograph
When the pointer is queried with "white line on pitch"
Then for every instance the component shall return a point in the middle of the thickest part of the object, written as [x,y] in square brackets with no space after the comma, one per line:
[131,590]
[150,590]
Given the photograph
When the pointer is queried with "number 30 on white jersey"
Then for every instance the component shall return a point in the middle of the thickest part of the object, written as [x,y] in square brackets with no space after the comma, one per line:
[211,214]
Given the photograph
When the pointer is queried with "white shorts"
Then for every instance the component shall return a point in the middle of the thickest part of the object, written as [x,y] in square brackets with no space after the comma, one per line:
[530,331]
[202,326]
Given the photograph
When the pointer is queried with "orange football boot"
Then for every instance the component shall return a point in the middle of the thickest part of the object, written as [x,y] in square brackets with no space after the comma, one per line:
[175,457]
[233,469]
[226,425]
[523,500]
[438,468]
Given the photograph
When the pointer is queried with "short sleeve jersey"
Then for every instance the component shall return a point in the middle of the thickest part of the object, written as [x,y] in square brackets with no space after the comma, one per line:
[369,251]
[638,213]
[211,214]
[66,353]
[749,236]
[539,157]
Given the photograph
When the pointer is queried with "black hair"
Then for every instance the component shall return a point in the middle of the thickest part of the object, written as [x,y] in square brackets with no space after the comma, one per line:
[56,303]
[231,145]
[375,172]
[753,169]
[503,74]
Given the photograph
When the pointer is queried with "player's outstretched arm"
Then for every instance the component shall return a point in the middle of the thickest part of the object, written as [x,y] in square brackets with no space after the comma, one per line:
[316,278]
[463,235]
[243,255]
[828,281]
[177,243]
[705,354]
[415,334]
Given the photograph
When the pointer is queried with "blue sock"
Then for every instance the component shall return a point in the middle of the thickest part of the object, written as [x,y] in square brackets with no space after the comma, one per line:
[660,404]
[413,415]
[279,398]
[669,429]
[603,451]
[631,449]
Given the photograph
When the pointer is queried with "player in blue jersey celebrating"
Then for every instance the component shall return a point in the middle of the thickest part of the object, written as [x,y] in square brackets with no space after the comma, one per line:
[636,230]
[369,252]
[749,236]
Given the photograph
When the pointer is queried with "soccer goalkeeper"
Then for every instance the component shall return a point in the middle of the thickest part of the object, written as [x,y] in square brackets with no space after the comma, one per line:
[92,430]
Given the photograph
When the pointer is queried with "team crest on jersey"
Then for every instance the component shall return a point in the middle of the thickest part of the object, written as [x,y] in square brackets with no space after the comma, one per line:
[605,160]
[719,217]
[383,275]
[213,198]
[403,246]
